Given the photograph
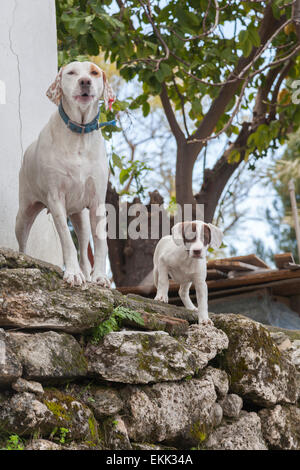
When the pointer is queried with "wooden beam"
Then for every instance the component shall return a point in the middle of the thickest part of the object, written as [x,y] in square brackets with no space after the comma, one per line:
[255,278]
[249,259]
[283,259]
[224,265]
[215,274]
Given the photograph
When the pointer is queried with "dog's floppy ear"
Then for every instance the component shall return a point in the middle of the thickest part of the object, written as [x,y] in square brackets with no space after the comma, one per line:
[54,91]
[216,236]
[177,234]
[108,94]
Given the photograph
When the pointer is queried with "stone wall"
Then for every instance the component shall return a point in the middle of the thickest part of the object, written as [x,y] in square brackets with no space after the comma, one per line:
[158,382]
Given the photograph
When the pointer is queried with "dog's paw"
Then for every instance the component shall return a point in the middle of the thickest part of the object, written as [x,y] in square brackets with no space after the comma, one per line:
[74,278]
[193,309]
[100,279]
[161,298]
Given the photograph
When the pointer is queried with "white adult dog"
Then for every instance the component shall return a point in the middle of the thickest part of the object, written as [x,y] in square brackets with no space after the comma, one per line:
[182,256]
[66,171]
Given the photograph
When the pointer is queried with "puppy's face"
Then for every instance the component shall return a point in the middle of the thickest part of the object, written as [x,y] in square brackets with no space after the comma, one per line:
[82,83]
[196,237]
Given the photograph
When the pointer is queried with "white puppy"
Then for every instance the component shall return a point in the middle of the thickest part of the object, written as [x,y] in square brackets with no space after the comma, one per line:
[182,256]
[66,171]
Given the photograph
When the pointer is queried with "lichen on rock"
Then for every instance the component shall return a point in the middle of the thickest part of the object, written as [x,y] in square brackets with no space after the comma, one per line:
[258,371]
[50,356]
[139,357]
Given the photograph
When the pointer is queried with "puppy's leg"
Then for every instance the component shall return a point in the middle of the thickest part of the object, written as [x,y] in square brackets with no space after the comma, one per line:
[81,224]
[98,225]
[73,274]
[202,298]
[184,295]
[162,283]
[25,218]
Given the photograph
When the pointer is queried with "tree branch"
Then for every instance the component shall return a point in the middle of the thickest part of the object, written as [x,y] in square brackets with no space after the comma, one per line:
[181,97]
[281,77]
[268,27]
[296,17]
[175,128]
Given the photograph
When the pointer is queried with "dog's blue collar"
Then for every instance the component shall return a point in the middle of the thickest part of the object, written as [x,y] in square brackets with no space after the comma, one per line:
[83,128]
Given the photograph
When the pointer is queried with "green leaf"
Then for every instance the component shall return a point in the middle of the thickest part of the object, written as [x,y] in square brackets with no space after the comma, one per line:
[117,161]
[247,48]
[146,108]
[234,156]
[92,45]
[124,175]
[254,36]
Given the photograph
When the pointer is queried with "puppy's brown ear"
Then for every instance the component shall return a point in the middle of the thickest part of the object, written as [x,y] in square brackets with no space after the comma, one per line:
[54,91]
[216,236]
[108,94]
[207,235]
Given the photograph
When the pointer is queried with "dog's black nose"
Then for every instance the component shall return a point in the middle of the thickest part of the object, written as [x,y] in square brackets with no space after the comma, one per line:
[85,82]
[197,252]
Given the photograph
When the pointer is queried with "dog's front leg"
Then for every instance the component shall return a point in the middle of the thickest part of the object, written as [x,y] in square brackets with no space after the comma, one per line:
[98,226]
[162,283]
[202,299]
[184,295]
[73,274]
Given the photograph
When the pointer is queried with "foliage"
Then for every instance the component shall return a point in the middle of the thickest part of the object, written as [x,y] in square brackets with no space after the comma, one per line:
[14,442]
[169,43]
[132,170]
[62,436]
[114,322]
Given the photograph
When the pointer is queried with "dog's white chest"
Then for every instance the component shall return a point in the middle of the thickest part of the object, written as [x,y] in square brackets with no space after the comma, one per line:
[81,184]
[187,270]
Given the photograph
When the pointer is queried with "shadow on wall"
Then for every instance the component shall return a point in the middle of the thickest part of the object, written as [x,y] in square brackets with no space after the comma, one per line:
[259,306]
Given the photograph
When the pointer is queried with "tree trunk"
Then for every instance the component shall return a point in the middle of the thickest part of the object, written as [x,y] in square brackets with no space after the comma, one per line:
[184,175]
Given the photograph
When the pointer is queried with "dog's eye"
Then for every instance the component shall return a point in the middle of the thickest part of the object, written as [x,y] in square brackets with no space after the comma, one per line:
[189,239]
[71,72]
[94,72]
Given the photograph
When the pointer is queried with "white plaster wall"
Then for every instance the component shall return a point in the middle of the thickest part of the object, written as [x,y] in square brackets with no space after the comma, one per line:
[28,64]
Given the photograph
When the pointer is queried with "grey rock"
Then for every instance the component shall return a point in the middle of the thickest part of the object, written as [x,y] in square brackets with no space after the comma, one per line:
[24,414]
[50,356]
[205,341]
[103,401]
[138,302]
[139,357]
[22,385]
[116,436]
[10,366]
[216,415]
[242,434]
[281,427]
[232,405]
[180,413]
[219,378]
[147,446]
[42,444]
[258,371]
[33,295]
